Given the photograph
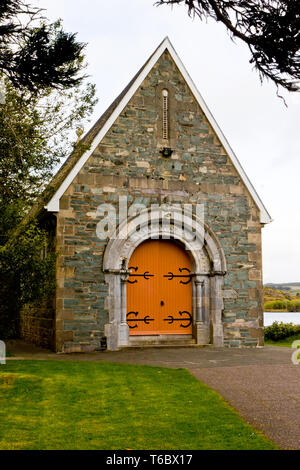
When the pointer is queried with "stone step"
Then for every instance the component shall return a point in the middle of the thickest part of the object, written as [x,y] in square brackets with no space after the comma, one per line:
[176,343]
[163,341]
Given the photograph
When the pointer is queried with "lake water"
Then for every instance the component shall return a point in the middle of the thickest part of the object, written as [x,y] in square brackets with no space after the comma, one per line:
[285,317]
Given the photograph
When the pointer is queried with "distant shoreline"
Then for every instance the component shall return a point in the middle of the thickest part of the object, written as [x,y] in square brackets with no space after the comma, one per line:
[278,311]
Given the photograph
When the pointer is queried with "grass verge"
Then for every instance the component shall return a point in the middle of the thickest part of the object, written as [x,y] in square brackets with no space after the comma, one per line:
[90,405]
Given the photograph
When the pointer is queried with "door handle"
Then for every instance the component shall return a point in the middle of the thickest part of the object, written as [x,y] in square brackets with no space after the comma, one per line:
[162,303]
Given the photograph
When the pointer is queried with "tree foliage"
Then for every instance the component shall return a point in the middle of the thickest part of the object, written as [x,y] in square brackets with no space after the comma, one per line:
[35,54]
[270,28]
[36,134]
[27,274]
[278,331]
[46,100]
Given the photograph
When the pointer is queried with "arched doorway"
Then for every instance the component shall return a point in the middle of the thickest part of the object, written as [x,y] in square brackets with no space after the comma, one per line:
[159,290]
[197,241]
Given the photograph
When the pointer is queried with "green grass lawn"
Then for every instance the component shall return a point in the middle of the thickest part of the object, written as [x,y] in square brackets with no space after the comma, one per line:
[90,405]
[286,342]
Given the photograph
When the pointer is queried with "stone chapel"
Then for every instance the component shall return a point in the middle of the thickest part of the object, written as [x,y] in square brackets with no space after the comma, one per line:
[156,225]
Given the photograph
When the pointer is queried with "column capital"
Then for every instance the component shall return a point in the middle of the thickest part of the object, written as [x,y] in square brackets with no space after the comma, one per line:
[217,273]
[124,275]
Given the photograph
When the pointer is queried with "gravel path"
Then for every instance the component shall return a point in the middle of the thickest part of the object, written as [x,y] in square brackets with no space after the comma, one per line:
[267,396]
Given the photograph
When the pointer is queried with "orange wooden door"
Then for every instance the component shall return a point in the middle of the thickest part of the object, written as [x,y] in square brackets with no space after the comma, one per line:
[159,289]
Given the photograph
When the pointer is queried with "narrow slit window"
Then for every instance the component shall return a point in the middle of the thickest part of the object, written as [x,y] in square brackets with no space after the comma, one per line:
[165,114]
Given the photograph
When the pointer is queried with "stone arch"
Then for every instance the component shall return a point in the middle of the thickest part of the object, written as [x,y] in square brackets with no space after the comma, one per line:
[166,222]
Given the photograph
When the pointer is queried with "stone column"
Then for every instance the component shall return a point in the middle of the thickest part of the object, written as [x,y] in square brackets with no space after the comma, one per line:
[117,330]
[200,327]
[199,300]
[217,308]
[123,336]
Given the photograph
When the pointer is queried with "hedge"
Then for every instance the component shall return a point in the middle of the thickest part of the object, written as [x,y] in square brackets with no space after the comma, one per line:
[288,305]
[281,330]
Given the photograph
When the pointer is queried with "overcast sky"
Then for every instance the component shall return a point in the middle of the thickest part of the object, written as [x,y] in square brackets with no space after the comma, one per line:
[263,133]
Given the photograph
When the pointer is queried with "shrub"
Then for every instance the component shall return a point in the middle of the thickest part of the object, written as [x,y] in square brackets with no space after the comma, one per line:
[281,330]
[289,305]
[294,306]
[275,305]
[27,274]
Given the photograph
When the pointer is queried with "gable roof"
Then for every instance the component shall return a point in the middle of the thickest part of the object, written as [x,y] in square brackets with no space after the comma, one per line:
[75,162]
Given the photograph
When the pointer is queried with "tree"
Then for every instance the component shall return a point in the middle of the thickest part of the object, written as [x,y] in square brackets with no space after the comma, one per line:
[46,97]
[34,54]
[36,134]
[46,100]
[270,28]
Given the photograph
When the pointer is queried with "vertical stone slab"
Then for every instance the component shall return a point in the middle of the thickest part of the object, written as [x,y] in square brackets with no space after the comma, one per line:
[201,326]
[216,300]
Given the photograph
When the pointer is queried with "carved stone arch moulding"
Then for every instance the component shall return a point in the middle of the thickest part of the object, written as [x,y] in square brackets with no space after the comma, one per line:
[167,222]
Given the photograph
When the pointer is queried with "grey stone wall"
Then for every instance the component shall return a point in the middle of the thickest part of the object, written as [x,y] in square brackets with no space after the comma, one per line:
[128,162]
[37,319]
[37,323]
